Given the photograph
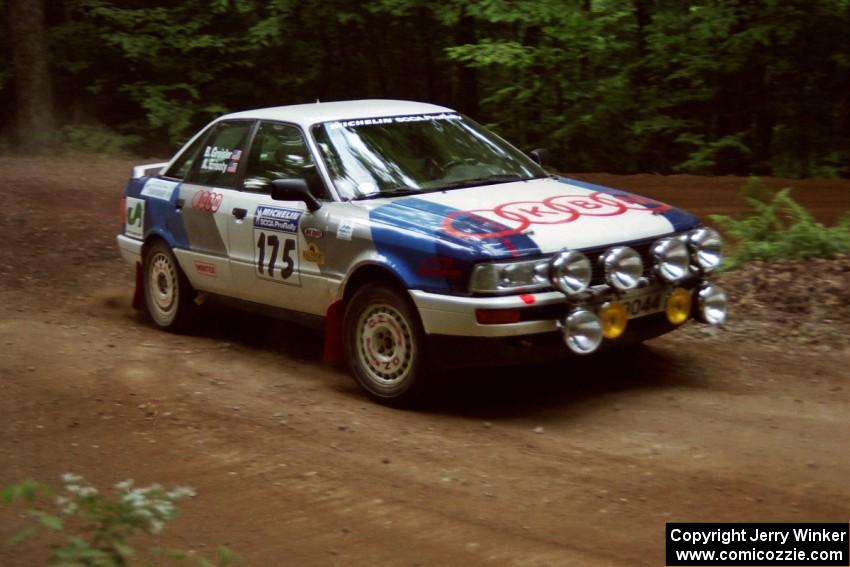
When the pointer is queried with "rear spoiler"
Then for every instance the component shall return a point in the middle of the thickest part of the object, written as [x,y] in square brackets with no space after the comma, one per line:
[148,169]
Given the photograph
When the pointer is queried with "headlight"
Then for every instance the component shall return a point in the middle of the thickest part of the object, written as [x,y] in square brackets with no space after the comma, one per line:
[570,272]
[582,331]
[511,276]
[671,259]
[614,319]
[711,300]
[623,267]
[678,306]
[706,248]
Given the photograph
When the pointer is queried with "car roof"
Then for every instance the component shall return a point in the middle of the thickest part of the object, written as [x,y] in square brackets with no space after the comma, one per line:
[308,114]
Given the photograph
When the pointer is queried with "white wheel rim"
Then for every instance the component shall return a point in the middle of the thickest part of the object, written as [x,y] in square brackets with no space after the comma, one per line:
[162,283]
[385,345]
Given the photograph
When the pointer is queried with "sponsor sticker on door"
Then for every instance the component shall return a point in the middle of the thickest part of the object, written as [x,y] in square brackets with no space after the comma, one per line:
[276,256]
[134,218]
[276,218]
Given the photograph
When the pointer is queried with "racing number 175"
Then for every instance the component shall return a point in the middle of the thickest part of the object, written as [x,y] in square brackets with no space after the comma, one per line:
[272,242]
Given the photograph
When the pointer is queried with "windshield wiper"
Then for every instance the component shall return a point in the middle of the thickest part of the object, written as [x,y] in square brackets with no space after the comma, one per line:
[392,192]
[498,178]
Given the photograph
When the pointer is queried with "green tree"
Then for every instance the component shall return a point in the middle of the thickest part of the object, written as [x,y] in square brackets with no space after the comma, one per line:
[702,86]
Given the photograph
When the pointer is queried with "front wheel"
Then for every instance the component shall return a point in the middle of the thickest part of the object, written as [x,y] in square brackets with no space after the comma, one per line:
[168,294]
[385,345]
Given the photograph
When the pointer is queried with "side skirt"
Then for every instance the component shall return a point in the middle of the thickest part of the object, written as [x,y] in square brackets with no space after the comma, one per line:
[316,322]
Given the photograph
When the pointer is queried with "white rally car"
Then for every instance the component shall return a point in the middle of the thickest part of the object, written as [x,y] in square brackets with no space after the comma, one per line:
[410,233]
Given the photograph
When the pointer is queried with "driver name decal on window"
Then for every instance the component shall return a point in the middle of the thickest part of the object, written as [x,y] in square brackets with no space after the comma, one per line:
[235,156]
[215,159]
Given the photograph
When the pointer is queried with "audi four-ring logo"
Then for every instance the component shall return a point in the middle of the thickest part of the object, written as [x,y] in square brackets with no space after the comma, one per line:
[517,216]
[207,201]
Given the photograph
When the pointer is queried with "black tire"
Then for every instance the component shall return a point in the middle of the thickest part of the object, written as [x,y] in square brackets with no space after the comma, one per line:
[169,297]
[385,346]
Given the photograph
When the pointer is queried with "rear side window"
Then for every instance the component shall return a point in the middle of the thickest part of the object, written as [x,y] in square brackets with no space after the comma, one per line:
[217,162]
[184,161]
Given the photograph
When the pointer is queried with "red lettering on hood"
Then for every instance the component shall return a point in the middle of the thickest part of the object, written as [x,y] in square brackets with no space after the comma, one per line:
[517,216]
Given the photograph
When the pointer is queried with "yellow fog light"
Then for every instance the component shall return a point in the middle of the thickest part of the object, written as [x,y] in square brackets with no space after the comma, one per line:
[614,319]
[679,306]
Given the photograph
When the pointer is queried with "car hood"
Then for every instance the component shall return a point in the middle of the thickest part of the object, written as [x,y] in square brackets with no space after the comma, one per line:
[531,217]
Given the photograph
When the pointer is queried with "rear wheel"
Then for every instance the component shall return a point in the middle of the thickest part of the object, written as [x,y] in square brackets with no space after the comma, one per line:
[168,294]
[385,345]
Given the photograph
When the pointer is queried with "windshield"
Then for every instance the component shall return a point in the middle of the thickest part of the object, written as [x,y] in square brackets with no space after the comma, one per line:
[403,155]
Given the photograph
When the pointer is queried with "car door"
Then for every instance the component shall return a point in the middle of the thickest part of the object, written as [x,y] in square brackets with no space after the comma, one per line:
[276,246]
[207,195]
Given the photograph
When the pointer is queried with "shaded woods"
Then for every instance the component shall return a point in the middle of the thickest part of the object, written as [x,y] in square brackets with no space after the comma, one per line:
[711,86]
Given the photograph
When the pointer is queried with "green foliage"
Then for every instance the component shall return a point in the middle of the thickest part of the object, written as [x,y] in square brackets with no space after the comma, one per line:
[98,138]
[779,228]
[705,156]
[505,53]
[706,86]
[96,529]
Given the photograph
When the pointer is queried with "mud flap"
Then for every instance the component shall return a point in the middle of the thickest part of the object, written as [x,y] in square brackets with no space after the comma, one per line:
[334,351]
[139,292]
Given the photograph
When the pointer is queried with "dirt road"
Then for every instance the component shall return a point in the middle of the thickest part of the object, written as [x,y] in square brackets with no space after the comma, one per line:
[571,464]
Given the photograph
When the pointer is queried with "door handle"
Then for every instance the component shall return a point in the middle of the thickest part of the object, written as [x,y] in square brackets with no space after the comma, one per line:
[179,204]
[239,213]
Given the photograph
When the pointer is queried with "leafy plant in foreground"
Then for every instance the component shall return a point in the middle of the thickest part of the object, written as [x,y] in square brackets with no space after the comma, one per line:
[779,228]
[96,529]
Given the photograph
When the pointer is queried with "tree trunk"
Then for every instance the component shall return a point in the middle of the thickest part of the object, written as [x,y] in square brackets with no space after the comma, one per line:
[36,124]
[643,17]
[583,62]
[467,77]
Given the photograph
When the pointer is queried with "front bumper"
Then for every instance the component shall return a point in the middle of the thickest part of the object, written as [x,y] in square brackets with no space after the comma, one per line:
[452,315]
[452,352]
[539,313]
[543,320]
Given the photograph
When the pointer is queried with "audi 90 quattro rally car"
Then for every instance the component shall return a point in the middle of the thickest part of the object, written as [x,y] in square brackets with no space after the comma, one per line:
[404,228]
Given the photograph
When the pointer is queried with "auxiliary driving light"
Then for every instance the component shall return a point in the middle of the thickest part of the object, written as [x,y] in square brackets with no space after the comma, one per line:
[679,306]
[706,248]
[570,272]
[711,300]
[582,331]
[671,259]
[623,267]
[614,319]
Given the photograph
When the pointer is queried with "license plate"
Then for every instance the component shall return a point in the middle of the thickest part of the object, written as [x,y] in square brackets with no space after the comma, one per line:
[644,303]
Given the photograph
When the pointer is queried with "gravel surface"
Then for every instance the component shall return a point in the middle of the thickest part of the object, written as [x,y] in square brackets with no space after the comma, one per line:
[579,463]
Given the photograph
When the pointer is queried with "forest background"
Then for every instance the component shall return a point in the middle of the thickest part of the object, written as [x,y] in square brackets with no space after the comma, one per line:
[698,86]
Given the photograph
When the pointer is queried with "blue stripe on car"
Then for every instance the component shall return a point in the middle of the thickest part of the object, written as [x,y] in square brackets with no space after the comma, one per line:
[161,216]
[679,219]
[409,233]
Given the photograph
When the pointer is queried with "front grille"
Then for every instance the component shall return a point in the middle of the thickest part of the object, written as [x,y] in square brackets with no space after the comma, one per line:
[642,247]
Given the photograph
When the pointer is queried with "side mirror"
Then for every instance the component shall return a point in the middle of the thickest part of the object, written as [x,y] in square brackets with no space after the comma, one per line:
[540,155]
[294,190]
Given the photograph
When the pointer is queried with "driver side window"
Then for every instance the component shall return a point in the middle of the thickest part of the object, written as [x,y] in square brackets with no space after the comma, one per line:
[217,162]
[280,152]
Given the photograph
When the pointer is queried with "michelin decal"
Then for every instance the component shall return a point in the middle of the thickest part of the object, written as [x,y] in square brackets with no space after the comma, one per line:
[274,218]
[276,244]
